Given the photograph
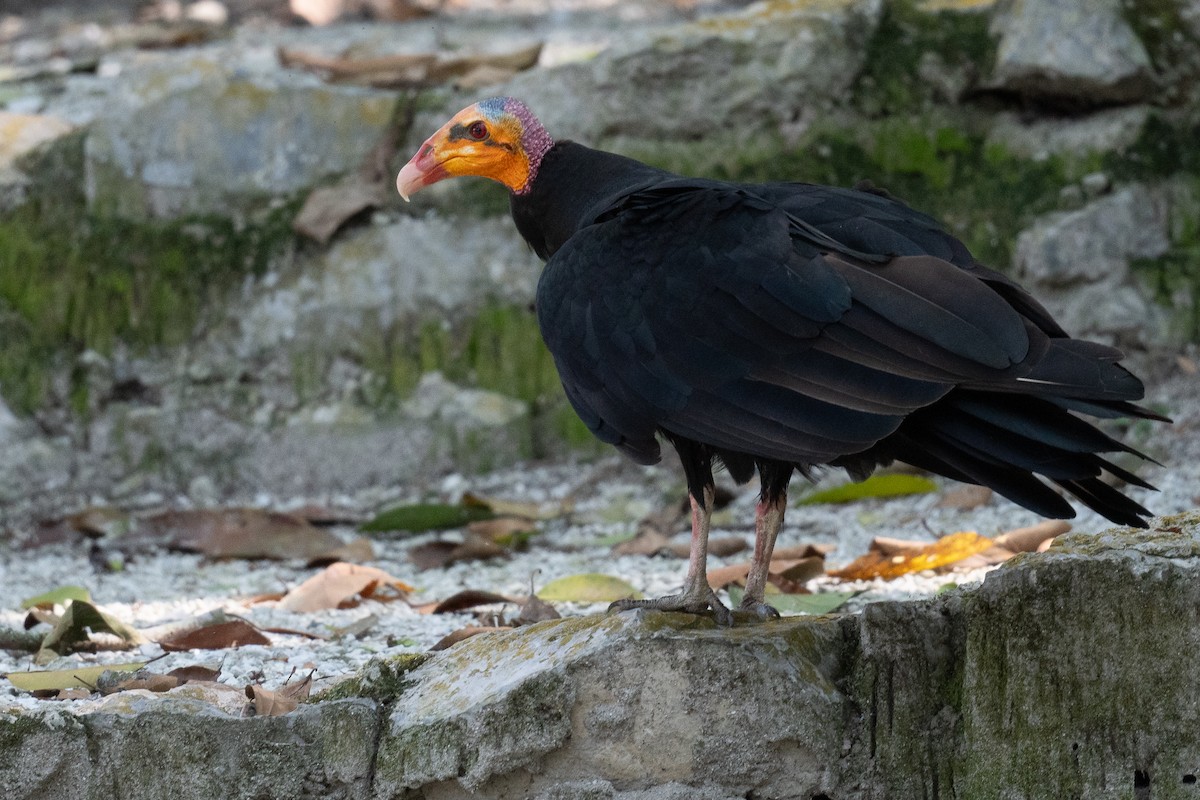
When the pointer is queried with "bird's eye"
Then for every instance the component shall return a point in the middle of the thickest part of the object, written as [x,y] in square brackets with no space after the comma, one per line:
[478,131]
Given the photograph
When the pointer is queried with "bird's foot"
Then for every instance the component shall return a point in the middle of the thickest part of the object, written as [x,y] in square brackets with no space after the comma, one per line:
[759,609]
[690,602]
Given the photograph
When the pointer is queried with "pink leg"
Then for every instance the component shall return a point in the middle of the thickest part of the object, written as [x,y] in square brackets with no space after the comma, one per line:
[697,596]
[768,519]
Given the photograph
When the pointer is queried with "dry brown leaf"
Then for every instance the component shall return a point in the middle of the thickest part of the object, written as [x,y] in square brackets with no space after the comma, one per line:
[514,508]
[469,598]
[797,552]
[798,570]
[340,584]
[1186,365]
[234,533]
[150,683]
[501,527]
[70,694]
[234,633]
[443,553]
[196,673]
[646,542]
[789,569]
[949,549]
[965,498]
[535,609]
[457,636]
[267,703]
[732,574]
[1030,539]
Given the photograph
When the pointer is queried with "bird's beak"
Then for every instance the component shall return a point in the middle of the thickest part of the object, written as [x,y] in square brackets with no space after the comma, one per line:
[422,169]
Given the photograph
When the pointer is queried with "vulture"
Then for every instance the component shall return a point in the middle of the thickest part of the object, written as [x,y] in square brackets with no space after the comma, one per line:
[772,328]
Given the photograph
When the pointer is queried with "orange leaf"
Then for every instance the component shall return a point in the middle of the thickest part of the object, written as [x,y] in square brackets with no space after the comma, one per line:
[950,549]
[340,583]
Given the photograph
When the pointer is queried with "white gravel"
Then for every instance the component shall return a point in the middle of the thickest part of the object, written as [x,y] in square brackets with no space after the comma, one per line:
[611,495]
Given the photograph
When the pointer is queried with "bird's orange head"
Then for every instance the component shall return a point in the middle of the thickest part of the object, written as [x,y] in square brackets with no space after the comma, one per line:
[498,138]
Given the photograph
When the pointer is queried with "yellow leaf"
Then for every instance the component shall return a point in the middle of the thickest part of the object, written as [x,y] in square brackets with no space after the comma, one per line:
[588,588]
[45,680]
[949,549]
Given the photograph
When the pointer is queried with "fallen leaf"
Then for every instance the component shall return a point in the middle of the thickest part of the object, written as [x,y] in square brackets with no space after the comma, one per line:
[101,521]
[420,517]
[790,567]
[150,682]
[78,623]
[535,609]
[342,583]
[58,596]
[646,542]
[469,598]
[505,531]
[876,486]
[73,694]
[815,603]
[55,679]
[965,498]
[287,698]
[196,673]
[234,533]
[451,639]
[949,549]
[437,554]
[233,633]
[588,588]
[512,508]
[1030,539]
[1186,365]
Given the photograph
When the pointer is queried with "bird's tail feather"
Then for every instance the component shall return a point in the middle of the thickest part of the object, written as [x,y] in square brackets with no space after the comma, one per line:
[1004,441]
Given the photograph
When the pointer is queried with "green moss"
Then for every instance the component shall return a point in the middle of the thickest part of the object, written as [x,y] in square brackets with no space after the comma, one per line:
[499,349]
[890,82]
[1173,48]
[382,680]
[69,285]
[1174,278]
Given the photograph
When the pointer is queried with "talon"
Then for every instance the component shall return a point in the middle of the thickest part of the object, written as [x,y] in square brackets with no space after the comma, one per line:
[759,609]
[692,602]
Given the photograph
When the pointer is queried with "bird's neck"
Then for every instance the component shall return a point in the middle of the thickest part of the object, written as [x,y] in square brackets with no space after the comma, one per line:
[572,185]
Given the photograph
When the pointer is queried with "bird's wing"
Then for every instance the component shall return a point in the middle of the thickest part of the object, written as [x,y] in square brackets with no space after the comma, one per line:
[720,316]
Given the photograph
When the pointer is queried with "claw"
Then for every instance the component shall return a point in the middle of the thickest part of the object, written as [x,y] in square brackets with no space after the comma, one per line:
[688,602]
[760,610]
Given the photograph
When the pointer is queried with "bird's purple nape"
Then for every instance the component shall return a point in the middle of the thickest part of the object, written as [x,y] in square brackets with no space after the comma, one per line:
[535,140]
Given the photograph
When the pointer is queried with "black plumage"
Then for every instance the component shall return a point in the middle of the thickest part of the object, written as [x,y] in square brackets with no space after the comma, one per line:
[781,326]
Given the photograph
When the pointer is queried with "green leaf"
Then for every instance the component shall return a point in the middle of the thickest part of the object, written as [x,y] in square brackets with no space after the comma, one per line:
[58,596]
[78,622]
[426,517]
[819,603]
[588,588]
[54,679]
[874,486]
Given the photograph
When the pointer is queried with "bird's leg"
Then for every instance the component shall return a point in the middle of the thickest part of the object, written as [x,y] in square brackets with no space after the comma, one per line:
[768,519]
[697,596]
